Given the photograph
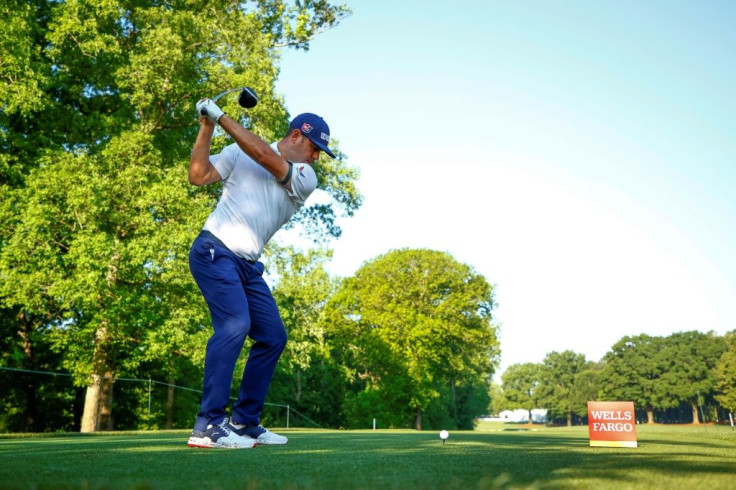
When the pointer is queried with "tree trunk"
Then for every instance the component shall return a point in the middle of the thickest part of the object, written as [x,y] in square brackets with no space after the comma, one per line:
[696,420]
[298,392]
[106,420]
[418,421]
[454,400]
[31,408]
[97,413]
[98,399]
[569,418]
[30,386]
[91,414]
[170,404]
[650,416]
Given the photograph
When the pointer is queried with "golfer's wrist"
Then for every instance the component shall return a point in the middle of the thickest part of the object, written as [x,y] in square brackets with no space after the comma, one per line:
[206,128]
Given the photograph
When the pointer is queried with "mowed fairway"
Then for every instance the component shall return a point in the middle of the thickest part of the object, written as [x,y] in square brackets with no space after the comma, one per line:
[494,456]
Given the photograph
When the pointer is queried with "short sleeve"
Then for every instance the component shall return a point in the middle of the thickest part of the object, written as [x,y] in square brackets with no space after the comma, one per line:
[225,160]
[303,182]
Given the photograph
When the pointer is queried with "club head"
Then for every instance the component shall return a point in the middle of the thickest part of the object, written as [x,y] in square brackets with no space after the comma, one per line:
[248,98]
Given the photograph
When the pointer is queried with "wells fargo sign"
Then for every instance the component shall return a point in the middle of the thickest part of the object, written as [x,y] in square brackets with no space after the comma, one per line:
[612,424]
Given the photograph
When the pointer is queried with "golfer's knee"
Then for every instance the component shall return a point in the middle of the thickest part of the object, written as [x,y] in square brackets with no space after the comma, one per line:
[233,330]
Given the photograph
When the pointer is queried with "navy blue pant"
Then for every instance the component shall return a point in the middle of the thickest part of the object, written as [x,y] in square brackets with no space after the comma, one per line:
[241,304]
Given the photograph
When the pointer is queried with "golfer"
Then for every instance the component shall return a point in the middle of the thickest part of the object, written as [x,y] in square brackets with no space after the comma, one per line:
[263,187]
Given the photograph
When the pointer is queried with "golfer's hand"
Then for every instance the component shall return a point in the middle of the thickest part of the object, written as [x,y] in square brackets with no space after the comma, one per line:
[207,108]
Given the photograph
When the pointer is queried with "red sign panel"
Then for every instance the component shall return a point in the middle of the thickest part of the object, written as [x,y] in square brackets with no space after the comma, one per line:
[612,424]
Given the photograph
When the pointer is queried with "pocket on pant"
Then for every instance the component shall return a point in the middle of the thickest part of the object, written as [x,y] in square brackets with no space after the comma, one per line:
[205,250]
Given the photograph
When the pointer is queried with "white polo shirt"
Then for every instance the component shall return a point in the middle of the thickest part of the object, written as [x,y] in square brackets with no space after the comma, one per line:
[253,206]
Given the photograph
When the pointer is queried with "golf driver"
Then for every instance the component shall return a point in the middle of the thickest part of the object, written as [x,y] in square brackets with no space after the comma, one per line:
[247,98]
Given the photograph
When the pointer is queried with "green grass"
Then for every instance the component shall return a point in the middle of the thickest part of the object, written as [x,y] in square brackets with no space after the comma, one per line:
[493,456]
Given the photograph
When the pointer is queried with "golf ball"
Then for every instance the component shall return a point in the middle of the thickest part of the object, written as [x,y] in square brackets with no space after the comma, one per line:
[444,434]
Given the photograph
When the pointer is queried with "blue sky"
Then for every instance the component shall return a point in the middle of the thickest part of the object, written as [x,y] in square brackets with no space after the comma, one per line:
[580,155]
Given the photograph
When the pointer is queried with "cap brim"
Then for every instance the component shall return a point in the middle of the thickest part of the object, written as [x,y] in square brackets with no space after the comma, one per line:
[322,147]
[327,150]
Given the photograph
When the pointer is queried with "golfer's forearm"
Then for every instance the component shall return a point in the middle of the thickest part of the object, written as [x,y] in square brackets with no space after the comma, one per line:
[255,147]
[200,168]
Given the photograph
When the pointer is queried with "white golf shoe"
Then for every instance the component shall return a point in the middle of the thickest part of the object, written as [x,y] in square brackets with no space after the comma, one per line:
[221,436]
[260,434]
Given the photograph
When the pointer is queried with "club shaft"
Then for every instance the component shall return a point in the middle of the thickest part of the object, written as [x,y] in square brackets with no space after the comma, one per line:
[221,94]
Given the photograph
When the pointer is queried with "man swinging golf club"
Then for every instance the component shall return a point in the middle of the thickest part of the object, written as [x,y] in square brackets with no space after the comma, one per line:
[264,185]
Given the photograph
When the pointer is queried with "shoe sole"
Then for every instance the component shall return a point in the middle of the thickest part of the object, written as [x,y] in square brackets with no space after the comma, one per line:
[201,442]
[204,443]
[201,446]
[271,443]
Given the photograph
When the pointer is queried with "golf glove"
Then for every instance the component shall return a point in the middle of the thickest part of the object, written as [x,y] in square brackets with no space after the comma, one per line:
[206,107]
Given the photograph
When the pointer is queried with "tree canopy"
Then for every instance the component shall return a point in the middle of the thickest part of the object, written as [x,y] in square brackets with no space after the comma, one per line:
[558,387]
[689,360]
[520,384]
[409,324]
[725,374]
[632,368]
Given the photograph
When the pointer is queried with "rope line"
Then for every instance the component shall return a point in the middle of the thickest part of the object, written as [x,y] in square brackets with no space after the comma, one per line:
[32,371]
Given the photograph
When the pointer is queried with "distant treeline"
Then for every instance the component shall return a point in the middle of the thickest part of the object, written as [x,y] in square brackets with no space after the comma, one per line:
[686,377]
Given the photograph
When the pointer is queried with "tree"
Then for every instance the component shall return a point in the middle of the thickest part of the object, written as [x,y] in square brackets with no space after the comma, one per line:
[586,387]
[22,73]
[632,370]
[97,213]
[409,327]
[306,376]
[31,401]
[725,374]
[457,405]
[495,393]
[557,392]
[690,359]
[520,384]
